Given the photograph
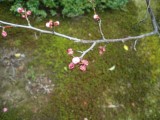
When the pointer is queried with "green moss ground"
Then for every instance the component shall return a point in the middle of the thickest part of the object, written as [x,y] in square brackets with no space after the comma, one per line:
[134,84]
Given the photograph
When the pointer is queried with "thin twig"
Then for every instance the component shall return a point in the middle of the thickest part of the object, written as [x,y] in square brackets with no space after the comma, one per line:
[89,49]
[100,29]
[135,43]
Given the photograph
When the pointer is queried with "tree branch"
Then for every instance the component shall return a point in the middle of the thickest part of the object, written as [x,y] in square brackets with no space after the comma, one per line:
[152,16]
[89,49]
[80,40]
[93,42]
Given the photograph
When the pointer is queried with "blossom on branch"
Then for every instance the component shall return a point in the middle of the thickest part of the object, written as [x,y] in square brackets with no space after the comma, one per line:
[102,49]
[28,12]
[4,33]
[96,17]
[5,109]
[71,66]
[83,67]
[51,24]
[56,23]
[76,60]
[23,16]
[84,62]
[20,10]
[70,51]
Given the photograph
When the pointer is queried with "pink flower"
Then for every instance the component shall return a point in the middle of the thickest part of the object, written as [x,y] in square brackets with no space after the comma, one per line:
[29,12]
[56,23]
[82,67]
[71,66]
[70,51]
[4,33]
[96,17]
[100,52]
[84,62]
[23,16]
[49,24]
[20,10]
[102,49]
[5,109]
[76,60]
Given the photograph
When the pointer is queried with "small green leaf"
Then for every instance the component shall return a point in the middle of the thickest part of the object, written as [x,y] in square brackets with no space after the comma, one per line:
[65,68]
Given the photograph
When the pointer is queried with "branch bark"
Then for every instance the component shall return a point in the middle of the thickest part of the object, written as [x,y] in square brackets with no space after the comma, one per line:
[94,42]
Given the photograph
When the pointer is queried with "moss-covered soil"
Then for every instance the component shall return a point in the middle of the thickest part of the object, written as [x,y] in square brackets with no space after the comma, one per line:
[130,92]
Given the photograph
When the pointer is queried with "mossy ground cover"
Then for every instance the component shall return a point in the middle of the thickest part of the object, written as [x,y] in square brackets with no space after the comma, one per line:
[133,87]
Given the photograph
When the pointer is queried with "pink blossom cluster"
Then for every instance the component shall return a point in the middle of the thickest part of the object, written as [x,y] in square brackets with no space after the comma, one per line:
[96,17]
[5,109]
[82,63]
[4,33]
[50,24]
[23,12]
[102,49]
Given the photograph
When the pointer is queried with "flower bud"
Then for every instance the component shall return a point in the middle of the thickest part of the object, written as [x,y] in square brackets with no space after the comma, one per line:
[56,23]
[96,17]
[76,60]
[102,49]
[82,68]
[70,51]
[20,10]
[71,66]
[84,62]
[49,24]
[4,33]
[5,109]
[29,12]
[23,16]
